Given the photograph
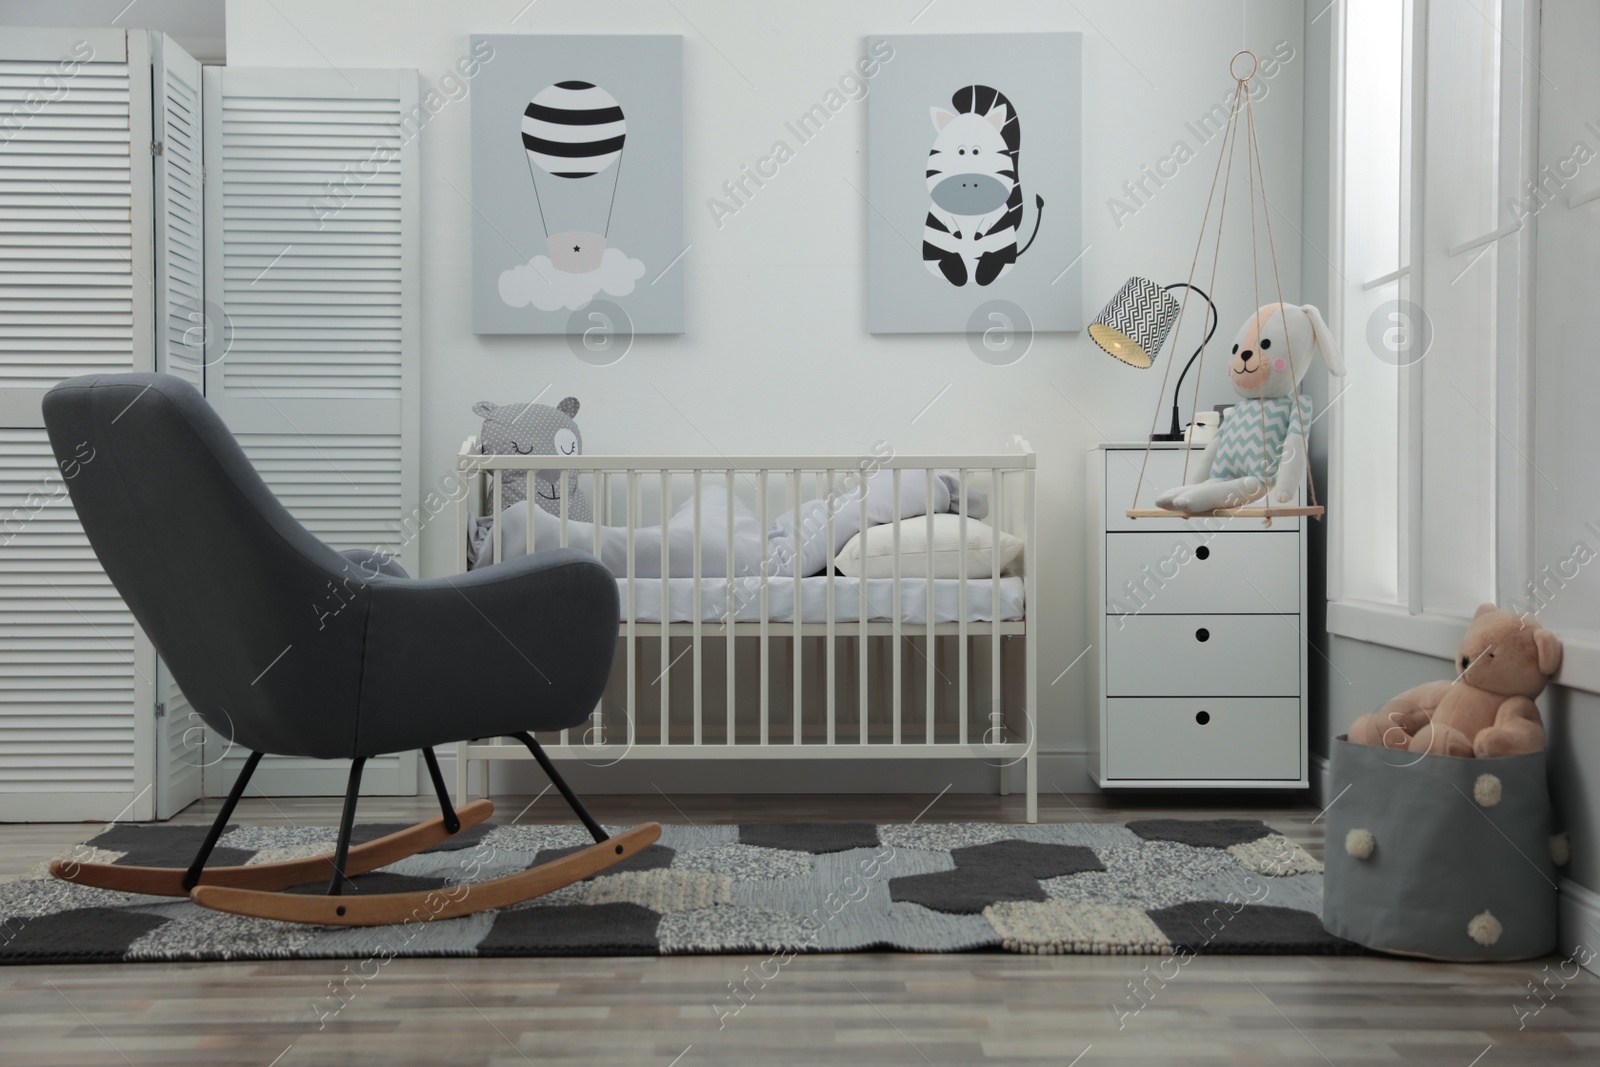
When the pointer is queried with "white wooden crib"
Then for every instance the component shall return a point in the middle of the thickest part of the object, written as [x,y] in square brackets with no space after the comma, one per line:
[840,673]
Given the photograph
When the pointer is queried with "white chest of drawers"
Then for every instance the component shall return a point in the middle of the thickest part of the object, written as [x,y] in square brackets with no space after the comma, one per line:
[1199,663]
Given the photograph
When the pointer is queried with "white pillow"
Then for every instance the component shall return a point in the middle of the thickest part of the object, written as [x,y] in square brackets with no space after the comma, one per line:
[914,549]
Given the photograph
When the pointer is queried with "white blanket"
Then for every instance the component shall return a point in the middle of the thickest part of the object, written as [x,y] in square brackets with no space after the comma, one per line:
[812,545]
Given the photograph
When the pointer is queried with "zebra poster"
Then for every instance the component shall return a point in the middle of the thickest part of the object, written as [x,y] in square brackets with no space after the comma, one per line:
[973,182]
[577,185]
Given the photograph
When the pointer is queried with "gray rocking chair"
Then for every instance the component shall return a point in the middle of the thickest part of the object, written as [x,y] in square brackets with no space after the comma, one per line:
[235,595]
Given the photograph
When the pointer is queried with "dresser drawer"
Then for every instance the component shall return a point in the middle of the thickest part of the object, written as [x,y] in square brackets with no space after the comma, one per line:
[1181,573]
[1164,471]
[1203,655]
[1249,739]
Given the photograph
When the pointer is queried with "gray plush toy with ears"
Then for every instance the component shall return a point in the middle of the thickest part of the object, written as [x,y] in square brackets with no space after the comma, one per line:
[536,430]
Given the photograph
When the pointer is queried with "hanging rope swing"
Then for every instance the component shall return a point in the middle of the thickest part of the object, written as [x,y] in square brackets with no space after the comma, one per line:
[1241,103]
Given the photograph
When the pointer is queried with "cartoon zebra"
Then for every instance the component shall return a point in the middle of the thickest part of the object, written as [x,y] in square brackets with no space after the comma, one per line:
[976,216]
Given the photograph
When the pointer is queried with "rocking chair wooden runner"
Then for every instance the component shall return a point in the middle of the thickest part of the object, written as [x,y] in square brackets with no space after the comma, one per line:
[224,580]
[1241,105]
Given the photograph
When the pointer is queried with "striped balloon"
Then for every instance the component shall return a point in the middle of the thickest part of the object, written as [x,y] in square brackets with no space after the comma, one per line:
[573,129]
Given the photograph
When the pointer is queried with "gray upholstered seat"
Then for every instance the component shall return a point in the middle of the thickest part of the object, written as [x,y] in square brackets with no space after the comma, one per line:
[288,646]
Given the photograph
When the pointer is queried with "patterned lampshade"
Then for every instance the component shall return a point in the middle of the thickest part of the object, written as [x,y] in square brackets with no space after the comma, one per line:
[1134,324]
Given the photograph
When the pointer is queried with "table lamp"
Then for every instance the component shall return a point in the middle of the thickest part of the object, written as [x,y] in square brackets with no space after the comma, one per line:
[1134,325]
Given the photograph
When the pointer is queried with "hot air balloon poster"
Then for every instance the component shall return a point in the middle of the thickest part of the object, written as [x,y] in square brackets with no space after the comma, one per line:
[577,184]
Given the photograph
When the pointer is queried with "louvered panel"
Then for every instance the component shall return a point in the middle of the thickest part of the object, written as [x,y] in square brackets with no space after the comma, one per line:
[183,327]
[311,249]
[67,641]
[182,743]
[311,194]
[66,269]
[346,489]
[76,673]
[186,752]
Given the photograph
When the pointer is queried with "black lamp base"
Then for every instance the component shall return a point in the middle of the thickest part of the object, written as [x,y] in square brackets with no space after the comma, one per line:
[1176,431]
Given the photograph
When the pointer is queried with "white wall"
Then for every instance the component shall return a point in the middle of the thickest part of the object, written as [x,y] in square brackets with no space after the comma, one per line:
[197,25]
[777,357]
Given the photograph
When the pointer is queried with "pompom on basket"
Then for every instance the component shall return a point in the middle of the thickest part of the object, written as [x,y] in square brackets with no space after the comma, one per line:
[1439,856]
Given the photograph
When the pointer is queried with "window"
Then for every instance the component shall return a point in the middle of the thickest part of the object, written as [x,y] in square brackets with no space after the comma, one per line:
[1422,257]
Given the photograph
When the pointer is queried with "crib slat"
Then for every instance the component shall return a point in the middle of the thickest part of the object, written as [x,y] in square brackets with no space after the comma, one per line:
[796,640]
[528,536]
[961,608]
[863,611]
[899,619]
[931,694]
[996,519]
[564,494]
[600,488]
[698,730]
[633,643]
[728,615]
[1030,520]
[766,609]
[665,679]
[828,500]
[562,508]
[499,494]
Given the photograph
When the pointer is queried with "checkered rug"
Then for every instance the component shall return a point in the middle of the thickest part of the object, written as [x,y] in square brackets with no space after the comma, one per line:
[1153,886]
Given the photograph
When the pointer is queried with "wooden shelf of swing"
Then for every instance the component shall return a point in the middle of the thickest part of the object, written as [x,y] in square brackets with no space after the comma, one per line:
[1266,514]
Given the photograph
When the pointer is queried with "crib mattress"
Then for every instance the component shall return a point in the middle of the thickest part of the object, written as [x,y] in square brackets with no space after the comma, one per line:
[849,599]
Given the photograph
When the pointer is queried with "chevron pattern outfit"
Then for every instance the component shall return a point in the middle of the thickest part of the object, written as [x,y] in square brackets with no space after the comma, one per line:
[1239,450]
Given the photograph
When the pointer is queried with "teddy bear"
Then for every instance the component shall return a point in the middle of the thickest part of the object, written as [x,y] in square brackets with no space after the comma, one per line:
[1505,660]
[1261,443]
[528,429]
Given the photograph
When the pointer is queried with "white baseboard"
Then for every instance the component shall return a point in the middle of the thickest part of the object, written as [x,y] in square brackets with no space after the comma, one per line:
[1063,770]
[78,807]
[1580,925]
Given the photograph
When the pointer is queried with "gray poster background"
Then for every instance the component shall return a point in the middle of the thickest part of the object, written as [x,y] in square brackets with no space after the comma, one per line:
[645,75]
[1042,75]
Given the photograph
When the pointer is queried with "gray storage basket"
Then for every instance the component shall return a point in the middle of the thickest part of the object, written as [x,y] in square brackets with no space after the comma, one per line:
[1460,867]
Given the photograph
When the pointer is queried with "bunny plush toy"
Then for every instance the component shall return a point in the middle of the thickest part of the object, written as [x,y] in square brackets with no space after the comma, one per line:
[1261,445]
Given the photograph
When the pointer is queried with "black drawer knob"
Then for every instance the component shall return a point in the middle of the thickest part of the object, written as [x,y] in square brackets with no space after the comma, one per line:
[1202,634]
[1202,552]
[1202,717]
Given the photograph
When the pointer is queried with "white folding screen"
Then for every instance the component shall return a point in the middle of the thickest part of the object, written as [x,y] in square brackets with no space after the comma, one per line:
[311,271]
[180,329]
[77,688]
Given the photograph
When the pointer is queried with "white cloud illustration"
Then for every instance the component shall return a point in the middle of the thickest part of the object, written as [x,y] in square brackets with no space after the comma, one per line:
[539,283]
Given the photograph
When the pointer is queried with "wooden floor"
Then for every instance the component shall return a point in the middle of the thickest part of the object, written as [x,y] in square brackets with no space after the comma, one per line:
[864,1009]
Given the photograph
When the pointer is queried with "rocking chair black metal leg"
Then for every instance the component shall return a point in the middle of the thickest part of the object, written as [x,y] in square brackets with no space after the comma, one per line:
[561,784]
[446,808]
[347,823]
[191,877]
